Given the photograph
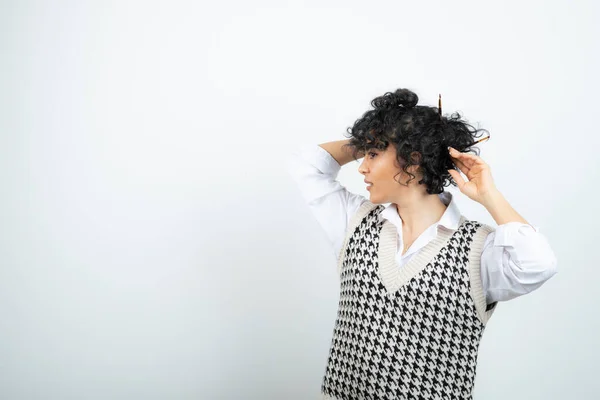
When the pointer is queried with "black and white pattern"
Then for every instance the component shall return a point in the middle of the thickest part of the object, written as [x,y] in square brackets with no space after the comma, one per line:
[419,342]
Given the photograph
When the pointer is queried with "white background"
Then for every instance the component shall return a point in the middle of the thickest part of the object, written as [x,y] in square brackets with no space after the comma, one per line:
[153,247]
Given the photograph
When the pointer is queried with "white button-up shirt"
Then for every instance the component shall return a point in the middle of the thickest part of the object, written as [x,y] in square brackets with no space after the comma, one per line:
[516,257]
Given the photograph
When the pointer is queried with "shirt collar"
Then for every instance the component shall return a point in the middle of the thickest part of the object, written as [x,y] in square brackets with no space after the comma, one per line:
[450,219]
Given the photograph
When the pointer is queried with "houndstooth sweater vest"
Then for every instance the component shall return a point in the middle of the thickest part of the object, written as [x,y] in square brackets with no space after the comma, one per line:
[409,332]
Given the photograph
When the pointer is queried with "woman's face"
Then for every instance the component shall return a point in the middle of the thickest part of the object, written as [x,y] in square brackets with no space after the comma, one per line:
[379,167]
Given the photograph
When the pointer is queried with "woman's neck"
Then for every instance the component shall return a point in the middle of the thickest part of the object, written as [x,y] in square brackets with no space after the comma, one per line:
[419,211]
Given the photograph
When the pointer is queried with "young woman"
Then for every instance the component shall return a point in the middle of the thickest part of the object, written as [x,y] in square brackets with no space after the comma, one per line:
[418,280]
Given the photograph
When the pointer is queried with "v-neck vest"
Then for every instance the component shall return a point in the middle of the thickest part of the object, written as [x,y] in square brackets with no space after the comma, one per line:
[409,332]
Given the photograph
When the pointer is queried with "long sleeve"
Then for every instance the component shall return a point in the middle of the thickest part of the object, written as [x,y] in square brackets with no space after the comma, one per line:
[315,173]
[516,260]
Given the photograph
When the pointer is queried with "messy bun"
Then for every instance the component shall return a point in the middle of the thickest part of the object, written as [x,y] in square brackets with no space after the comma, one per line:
[401,97]
[397,119]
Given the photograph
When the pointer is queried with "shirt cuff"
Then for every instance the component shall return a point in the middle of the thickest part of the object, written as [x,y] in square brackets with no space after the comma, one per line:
[321,159]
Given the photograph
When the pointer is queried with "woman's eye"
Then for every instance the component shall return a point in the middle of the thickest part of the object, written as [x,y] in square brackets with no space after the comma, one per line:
[371,153]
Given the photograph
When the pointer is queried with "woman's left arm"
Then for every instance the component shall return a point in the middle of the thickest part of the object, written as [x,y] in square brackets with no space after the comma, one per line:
[481,188]
[516,258]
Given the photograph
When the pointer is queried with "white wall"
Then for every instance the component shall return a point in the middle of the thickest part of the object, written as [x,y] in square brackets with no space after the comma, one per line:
[153,247]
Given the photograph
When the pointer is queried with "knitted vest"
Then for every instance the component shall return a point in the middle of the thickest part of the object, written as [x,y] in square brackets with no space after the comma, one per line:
[409,332]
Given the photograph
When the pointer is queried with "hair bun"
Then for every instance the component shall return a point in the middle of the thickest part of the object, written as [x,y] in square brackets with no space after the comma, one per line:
[401,97]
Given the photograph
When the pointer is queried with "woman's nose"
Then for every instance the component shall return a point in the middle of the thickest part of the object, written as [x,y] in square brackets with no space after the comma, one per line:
[362,167]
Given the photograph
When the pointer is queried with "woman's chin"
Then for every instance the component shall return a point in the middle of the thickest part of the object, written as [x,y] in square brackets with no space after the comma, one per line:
[373,198]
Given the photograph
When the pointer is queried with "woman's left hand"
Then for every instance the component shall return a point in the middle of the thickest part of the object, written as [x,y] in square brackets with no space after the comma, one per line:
[480,184]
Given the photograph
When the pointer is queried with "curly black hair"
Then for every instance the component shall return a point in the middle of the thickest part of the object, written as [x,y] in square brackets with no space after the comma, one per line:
[397,119]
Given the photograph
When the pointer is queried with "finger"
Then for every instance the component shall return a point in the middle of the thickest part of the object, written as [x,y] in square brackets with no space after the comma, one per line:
[455,154]
[467,158]
[464,159]
[457,178]
[461,166]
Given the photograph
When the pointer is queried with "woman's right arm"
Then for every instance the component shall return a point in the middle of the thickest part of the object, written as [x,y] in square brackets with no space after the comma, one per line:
[314,168]
[341,154]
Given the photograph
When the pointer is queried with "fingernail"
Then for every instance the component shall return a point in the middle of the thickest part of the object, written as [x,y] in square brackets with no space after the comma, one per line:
[450,149]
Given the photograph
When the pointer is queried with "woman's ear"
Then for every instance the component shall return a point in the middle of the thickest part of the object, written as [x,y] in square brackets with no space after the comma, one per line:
[415,157]
[415,169]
